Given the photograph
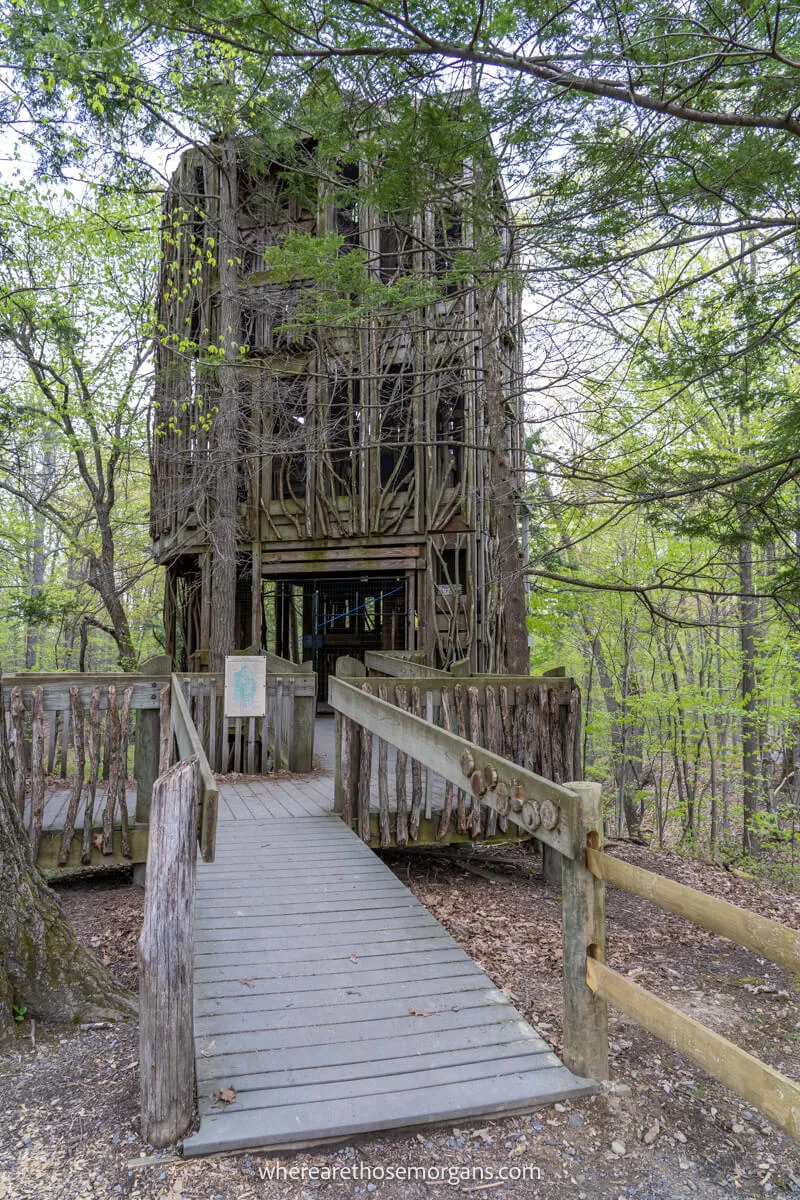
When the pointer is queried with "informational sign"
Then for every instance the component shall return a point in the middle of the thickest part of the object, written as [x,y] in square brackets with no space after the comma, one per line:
[245,686]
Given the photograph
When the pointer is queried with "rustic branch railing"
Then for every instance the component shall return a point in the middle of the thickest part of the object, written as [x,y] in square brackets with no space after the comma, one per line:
[568,820]
[78,728]
[562,817]
[533,722]
[775,1095]
[284,738]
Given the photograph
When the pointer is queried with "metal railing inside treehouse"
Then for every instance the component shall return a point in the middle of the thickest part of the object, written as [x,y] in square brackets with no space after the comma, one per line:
[567,818]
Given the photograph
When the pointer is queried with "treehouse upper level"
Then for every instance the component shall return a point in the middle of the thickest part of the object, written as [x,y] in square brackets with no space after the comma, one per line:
[361,329]
[360,411]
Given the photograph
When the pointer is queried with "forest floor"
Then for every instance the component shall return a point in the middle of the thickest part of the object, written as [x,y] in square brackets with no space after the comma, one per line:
[69,1100]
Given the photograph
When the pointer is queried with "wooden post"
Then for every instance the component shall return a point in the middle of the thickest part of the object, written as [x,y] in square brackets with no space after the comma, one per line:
[37,770]
[76,705]
[18,732]
[346,668]
[584,933]
[146,743]
[166,952]
[301,745]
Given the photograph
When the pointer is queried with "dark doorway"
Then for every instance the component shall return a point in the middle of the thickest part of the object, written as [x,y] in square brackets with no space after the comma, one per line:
[322,618]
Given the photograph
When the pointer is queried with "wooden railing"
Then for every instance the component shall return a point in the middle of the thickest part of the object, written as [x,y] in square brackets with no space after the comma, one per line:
[775,1095]
[400,666]
[190,746]
[567,819]
[531,721]
[77,727]
[283,738]
[560,816]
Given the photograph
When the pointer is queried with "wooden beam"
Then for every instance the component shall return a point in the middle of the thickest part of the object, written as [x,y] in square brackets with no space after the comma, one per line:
[764,937]
[428,835]
[55,688]
[584,935]
[166,967]
[49,847]
[436,681]
[189,745]
[770,1092]
[449,756]
[400,667]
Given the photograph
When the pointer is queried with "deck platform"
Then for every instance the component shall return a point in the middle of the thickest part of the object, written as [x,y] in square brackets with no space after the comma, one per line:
[330,999]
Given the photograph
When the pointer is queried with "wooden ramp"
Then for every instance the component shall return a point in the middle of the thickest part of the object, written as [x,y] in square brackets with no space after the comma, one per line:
[331,1000]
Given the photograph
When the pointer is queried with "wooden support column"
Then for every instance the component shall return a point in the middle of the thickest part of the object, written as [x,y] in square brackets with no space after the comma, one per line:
[205,601]
[301,748]
[255,597]
[584,933]
[166,952]
[147,742]
[346,735]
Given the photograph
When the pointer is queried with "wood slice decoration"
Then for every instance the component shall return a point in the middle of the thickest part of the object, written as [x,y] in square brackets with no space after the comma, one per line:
[531,815]
[502,797]
[550,814]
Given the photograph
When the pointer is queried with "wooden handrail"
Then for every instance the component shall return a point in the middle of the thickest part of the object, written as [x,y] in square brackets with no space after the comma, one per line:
[56,688]
[189,744]
[400,667]
[763,936]
[467,766]
[771,1092]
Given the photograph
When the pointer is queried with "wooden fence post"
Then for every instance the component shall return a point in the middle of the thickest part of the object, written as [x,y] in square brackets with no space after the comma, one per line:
[301,750]
[166,945]
[146,743]
[346,774]
[584,933]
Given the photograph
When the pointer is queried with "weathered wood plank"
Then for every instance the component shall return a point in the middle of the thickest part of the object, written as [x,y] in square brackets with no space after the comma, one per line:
[772,1093]
[414,1107]
[166,1051]
[37,771]
[767,938]
[77,780]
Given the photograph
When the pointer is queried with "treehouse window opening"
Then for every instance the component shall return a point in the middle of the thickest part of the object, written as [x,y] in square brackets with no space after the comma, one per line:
[452,571]
[347,207]
[394,251]
[450,432]
[199,199]
[286,408]
[396,422]
[447,238]
[344,432]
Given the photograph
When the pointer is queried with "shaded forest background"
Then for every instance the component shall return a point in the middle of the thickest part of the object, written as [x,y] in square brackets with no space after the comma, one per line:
[651,156]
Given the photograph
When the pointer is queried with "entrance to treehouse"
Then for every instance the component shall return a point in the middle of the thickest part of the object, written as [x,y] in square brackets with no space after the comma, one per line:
[319,618]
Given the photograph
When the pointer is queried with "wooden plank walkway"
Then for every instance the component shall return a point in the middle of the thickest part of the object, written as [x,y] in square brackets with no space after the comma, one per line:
[330,999]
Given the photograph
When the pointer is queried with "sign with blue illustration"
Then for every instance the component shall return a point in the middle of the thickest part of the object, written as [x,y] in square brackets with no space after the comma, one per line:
[245,686]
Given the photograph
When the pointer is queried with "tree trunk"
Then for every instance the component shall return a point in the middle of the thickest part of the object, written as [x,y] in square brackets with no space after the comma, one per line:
[748,617]
[43,968]
[505,489]
[226,424]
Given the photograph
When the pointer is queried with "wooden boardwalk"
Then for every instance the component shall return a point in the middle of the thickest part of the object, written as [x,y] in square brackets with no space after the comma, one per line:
[330,999]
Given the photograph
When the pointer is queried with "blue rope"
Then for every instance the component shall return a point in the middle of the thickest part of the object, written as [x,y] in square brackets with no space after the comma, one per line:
[366,604]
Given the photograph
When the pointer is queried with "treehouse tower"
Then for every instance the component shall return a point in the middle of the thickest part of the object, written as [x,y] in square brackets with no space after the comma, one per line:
[368,362]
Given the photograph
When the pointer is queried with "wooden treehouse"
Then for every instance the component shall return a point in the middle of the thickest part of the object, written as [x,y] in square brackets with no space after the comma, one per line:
[378,456]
